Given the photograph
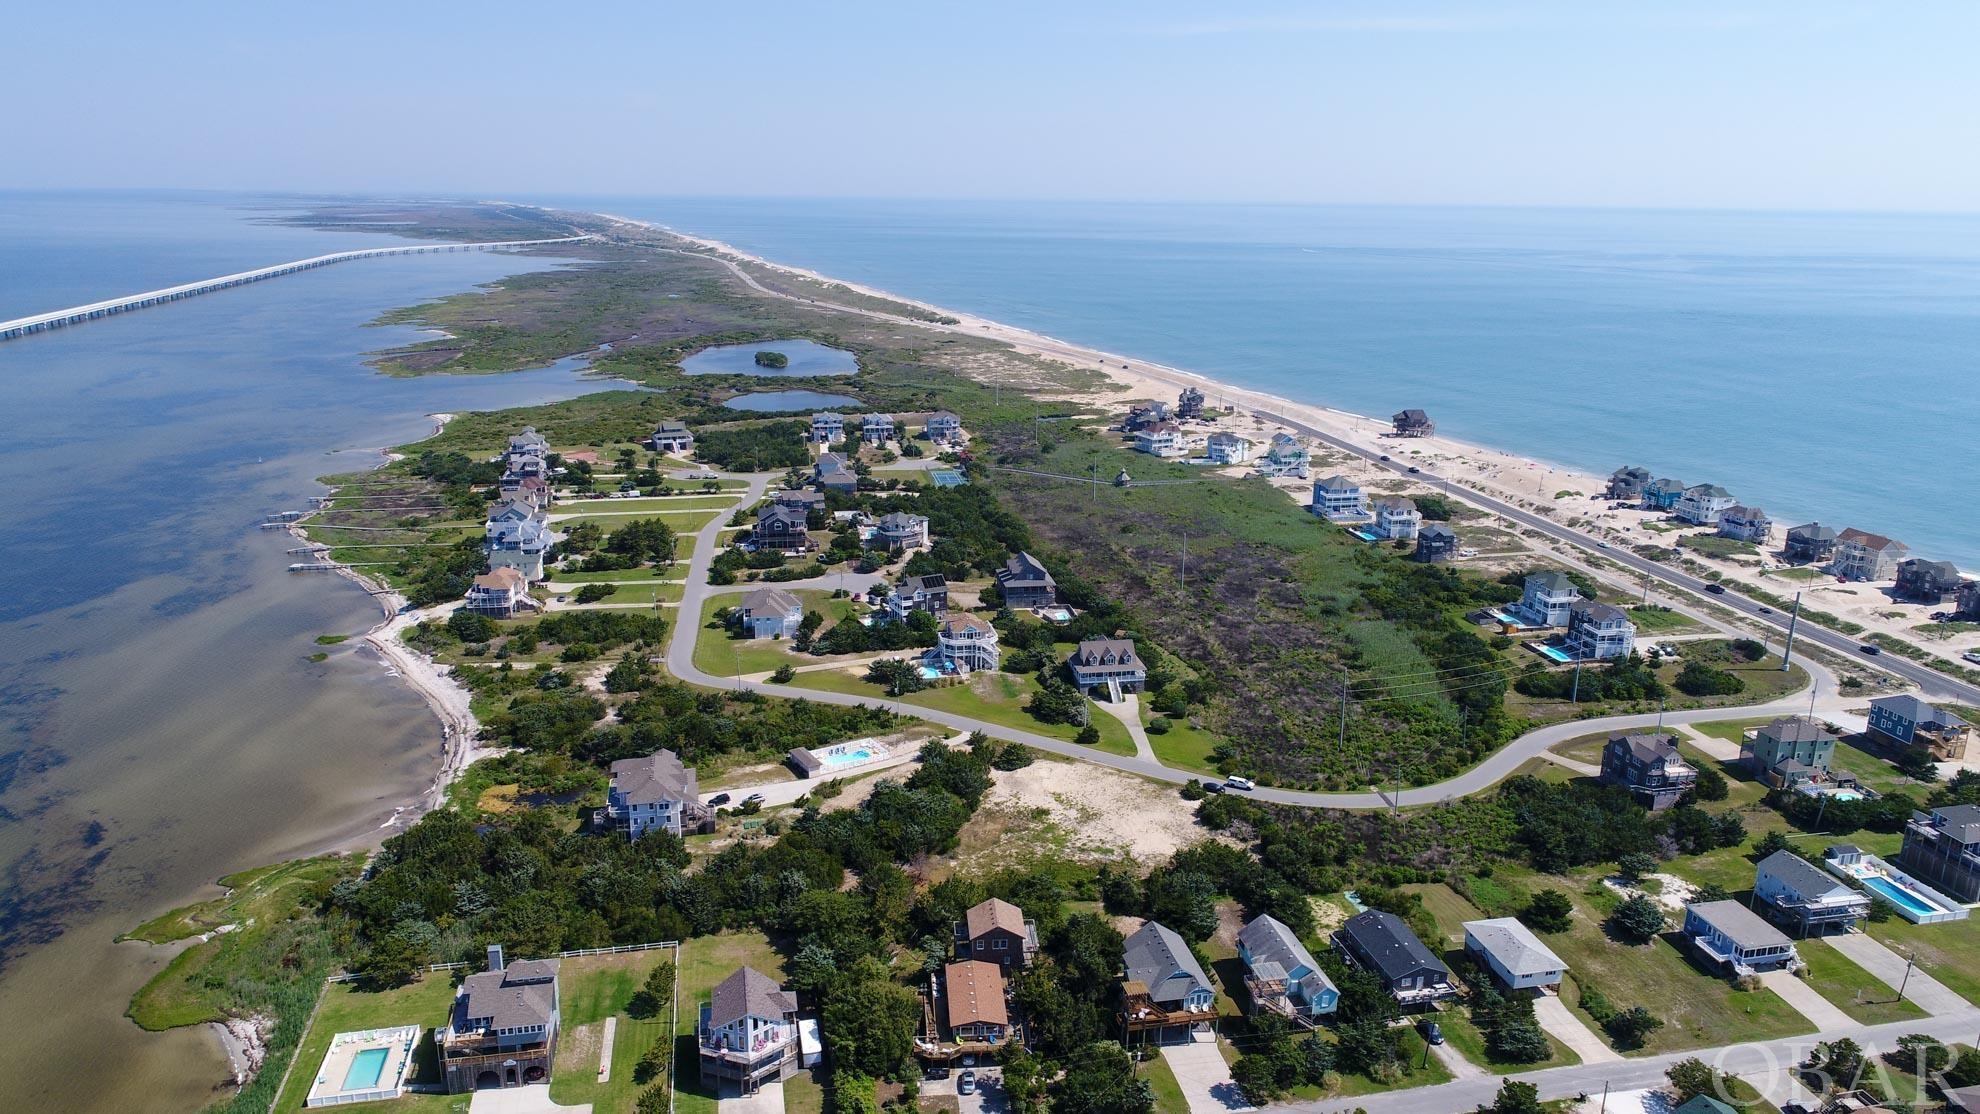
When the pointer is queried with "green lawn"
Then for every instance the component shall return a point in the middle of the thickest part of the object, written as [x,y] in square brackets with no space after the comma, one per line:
[682,523]
[595,988]
[1855,991]
[1654,619]
[345,1008]
[667,591]
[1000,698]
[803,1095]
[705,961]
[1185,747]
[1423,1071]
[676,571]
[1465,1036]
[1449,908]
[1944,950]
[1731,730]
[718,653]
[625,506]
[1168,1093]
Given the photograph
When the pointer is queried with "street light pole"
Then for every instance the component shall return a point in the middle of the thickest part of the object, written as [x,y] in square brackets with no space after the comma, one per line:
[1787,654]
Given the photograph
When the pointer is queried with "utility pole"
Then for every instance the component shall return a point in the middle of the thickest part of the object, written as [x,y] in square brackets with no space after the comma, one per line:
[1787,654]
[1344,707]
[1575,696]
[1906,981]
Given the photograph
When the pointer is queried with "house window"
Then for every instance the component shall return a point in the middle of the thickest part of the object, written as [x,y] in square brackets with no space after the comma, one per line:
[979,945]
[1002,944]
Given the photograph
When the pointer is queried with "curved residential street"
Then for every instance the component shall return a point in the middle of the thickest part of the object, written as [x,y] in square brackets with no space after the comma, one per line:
[1494,769]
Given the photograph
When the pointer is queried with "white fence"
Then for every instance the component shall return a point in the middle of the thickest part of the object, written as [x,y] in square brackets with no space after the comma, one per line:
[616,949]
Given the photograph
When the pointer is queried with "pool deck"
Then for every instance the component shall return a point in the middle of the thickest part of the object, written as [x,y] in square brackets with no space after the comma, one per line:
[820,764]
[1941,907]
[399,1043]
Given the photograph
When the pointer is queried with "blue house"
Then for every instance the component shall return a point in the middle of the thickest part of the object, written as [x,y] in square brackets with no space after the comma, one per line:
[1281,973]
[1662,495]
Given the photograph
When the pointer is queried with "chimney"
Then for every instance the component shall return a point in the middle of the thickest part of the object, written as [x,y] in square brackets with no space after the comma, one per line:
[494,957]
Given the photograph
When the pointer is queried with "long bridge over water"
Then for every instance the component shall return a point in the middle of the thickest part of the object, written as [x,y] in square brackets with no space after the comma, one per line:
[56,319]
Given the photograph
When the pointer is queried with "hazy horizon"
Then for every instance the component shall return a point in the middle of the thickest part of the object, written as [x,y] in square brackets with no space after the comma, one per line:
[1759,105]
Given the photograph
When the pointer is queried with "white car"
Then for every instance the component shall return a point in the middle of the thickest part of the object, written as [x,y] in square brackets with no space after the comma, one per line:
[1236,782]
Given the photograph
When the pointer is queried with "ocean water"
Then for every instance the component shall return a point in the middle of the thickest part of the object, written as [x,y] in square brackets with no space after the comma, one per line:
[1819,365]
[160,722]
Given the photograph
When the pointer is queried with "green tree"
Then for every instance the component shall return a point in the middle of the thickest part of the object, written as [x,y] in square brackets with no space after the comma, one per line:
[870,1021]
[1692,1077]
[1636,866]
[1631,1026]
[1100,1079]
[656,993]
[471,627]
[1549,911]
[1637,920]
[1515,1097]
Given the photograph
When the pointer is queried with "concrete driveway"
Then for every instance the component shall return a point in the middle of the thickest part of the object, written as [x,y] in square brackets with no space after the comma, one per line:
[1204,1077]
[531,1099]
[1820,1012]
[1926,992]
[1562,1024]
[768,1100]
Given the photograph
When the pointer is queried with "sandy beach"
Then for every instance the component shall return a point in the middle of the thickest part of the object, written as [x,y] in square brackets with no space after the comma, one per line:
[1570,496]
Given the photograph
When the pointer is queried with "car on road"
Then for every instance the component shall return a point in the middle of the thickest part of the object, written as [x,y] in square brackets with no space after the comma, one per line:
[1766,611]
[1211,786]
[1871,649]
[1414,470]
[1432,1032]
[1599,544]
[753,798]
[718,799]
[1716,589]
[1236,782]
[1385,456]
[966,1083]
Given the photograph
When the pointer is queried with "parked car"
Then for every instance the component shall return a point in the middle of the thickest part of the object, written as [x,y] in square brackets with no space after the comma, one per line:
[1236,782]
[1716,589]
[1432,1032]
[1870,649]
[935,1071]
[966,1083]
[718,799]
[1211,786]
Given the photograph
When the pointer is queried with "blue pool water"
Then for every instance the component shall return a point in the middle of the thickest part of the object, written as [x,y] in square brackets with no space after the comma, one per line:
[1555,653]
[806,358]
[365,1070]
[774,401]
[1899,896]
[836,757]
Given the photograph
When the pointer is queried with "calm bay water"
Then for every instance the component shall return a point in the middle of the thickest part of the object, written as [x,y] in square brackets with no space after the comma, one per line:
[160,722]
[1817,365]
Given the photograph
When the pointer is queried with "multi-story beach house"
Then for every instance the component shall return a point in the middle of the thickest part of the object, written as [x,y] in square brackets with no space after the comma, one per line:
[516,538]
[527,443]
[1968,600]
[898,531]
[831,472]
[1379,942]
[1650,767]
[1906,721]
[1942,848]
[769,613]
[1806,898]
[1225,447]
[1189,404]
[996,932]
[1396,517]
[828,428]
[1598,632]
[943,428]
[1412,423]
[748,1034]
[655,793]
[967,643]
[1627,483]
[530,489]
[876,429]
[1733,937]
[502,1031]
[1546,600]
[1809,544]
[1746,524]
[1165,997]
[1282,976]
[1339,499]
[672,437]
[498,594]
[1702,504]
[1025,584]
[1435,542]
[1163,439]
[798,498]
[923,592]
[1513,954]
[1284,456]
[782,529]
[1788,752]
[1861,555]
[1926,581]
[1662,495]
[1108,665]
[974,1003]
[1147,412]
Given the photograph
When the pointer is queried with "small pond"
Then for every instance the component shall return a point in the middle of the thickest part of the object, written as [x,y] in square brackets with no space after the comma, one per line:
[806,358]
[764,401]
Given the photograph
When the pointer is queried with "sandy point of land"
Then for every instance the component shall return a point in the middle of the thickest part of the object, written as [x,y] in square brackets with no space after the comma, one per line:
[1103,813]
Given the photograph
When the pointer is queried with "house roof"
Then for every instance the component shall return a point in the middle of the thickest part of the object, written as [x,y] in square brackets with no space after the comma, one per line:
[1158,959]
[521,995]
[827,417]
[1874,542]
[900,522]
[1812,531]
[1337,483]
[976,993]
[1739,924]
[1799,875]
[1553,581]
[1599,612]
[962,622]
[797,497]
[1916,710]
[942,416]
[1436,531]
[1795,729]
[1024,570]
[748,993]
[1514,945]
[1666,485]
[772,601]
[1647,747]
[659,776]
[1396,503]
[1096,651]
[926,582]
[502,579]
[1271,945]
[877,420]
[1940,570]
[793,518]
[1704,1104]
[1631,472]
[1161,427]
[670,427]
[1962,822]
[1744,513]
[994,913]
[1411,416]
[1708,491]
[1381,938]
[1226,437]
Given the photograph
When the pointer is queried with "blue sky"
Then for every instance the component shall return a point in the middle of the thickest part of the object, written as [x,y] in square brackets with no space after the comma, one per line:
[1732,104]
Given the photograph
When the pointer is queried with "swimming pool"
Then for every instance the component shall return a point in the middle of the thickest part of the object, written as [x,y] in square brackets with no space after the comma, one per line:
[366,1068]
[1899,896]
[836,757]
[1555,653]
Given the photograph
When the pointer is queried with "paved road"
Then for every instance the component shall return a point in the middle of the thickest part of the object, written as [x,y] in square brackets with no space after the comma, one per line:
[1500,765]
[1761,1063]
